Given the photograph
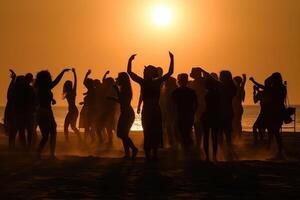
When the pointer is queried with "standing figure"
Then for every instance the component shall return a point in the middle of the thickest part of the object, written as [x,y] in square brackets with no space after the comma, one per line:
[70,92]
[237,104]
[127,116]
[45,117]
[151,113]
[211,116]
[168,110]
[20,101]
[8,115]
[185,100]
[198,86]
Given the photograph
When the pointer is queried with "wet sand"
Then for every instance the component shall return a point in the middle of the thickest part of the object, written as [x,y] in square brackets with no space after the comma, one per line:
[99,173]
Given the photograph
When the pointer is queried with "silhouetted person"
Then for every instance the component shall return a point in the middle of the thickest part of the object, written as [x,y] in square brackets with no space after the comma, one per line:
[237,104]
[126,119]
[151,113]
[263,96]
[45,118]
[211,115]
[275,111]
[8,114]
[19,111]
[198,86]
[70,92]
[31,108]
[88,112]
[186,105]
[227,91]
[168,110]
[109,109]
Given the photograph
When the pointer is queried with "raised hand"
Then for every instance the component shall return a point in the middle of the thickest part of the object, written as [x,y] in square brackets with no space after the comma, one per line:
[171,55]
[107,72]
[12,74]
[73,70]
[66,70]
[89,72]
[132,57]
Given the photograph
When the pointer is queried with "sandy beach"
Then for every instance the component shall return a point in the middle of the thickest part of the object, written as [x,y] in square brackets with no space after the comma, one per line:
[101,174]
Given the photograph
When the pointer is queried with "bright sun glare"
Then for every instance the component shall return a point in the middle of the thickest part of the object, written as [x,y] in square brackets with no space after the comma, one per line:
[162,15]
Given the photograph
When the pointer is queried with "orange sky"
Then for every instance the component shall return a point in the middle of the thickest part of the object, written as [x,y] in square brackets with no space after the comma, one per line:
[251,36]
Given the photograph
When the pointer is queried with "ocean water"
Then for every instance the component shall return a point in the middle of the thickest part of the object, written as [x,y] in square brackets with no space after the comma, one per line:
[249,117]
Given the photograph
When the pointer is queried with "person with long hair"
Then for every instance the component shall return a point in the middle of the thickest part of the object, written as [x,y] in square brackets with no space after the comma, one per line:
[69,93]
[237,104]
[88,111]
[275,109]
[151,113]
[127,116]
[45,118]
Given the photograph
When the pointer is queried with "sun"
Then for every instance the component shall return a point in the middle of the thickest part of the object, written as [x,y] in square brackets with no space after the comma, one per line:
[161,15]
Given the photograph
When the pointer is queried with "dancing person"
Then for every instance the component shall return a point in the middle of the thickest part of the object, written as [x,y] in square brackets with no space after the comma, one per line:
[127,116]
[45,118]
[88,112]
[237,104]
[227,91]
[69,93]
[109,109]
[151,113]
[185,100]
[276,109]
[263,96]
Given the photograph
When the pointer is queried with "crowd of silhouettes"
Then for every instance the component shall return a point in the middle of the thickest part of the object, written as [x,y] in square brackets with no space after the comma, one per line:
[179,114]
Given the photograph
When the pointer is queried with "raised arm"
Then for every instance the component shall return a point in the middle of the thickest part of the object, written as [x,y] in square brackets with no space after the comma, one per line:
[171,69]
[133,75]
[139,104]
[256,83]
[104,76]
[86,77]
[244,80]
[75,81]
[58,78]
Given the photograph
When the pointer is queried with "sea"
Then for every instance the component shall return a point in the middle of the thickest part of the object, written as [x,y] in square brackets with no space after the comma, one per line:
[250,114]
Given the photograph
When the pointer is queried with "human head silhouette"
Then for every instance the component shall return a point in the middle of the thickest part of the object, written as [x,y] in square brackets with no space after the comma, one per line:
[183,79]
[150,72]
[159,72]
[43,80]
[67,88]
[276,79]
[29,78]
[226,77]
[97,83]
